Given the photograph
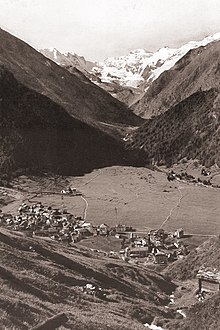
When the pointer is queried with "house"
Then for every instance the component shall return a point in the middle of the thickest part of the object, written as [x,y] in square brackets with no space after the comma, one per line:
[103,229]
[179,233]
[120,228]
[160,258]
[208,279]
[83,232]
[138,252]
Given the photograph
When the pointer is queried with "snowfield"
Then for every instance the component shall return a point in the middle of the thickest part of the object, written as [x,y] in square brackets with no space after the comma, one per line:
[130,70]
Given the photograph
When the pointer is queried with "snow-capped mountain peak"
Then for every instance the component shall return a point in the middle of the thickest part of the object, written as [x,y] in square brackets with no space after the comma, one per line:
[139,65]
[68,59]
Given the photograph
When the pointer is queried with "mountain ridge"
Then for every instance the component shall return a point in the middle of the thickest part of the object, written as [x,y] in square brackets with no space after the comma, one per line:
[80,97]
[198,69]
[38,134]
[72,124]
[190,129]
[128,77]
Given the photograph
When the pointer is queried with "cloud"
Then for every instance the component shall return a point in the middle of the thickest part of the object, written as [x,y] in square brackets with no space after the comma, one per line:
[101,28]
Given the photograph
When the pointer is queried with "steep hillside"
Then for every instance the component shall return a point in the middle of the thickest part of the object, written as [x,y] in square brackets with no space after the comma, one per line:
[207,255]
[40,279]
[38,134]
[198,69]
[190,129]
[202,316]
[79,97]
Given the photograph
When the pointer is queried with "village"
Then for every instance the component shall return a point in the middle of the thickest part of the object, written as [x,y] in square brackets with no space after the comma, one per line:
[186,177]
[38,220]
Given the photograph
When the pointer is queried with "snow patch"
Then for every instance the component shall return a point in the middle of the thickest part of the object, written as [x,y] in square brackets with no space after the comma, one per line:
[153,326]
[181,312]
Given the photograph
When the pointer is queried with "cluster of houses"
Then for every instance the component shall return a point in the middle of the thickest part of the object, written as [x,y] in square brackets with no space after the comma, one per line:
[159,246]
[184,176]
[40,220]
[71,191]
[171,176]
[44,221]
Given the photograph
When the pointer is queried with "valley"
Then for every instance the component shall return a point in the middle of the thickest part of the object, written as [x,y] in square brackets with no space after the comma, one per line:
[49,277]
[137,197]
[109,188]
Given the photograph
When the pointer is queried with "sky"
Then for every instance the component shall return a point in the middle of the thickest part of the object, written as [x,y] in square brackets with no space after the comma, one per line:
[98,29]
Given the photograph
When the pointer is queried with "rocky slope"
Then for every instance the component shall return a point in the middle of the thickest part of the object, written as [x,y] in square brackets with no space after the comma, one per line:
[40,279]
[203,316]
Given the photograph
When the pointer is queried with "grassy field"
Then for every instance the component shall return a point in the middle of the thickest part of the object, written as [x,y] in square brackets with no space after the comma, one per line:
[138,197]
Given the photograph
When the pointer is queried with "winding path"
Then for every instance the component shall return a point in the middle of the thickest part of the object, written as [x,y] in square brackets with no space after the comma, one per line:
[100,172]
[171,211]
[86,207]
[86,203]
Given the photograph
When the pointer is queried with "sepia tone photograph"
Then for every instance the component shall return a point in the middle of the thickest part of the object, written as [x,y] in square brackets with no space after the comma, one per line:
[109,164]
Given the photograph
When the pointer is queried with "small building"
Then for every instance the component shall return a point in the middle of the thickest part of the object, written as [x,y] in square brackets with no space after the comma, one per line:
[160,258]
[138,253]
[208,279]
[120,228]
[103,229]
[179,233]
[83,232]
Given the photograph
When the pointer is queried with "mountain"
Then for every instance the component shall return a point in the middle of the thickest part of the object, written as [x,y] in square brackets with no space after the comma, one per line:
[184,106]
[128,77]
[52,119]
[79,97]
[73,62]
[36,133]
[68,59]
[138,69]
[190,129]
[125,70]
[41,279]
[199,68]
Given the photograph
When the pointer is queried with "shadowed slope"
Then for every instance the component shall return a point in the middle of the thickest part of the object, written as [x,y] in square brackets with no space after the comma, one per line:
[38,134]
[79,97]
[190,129]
